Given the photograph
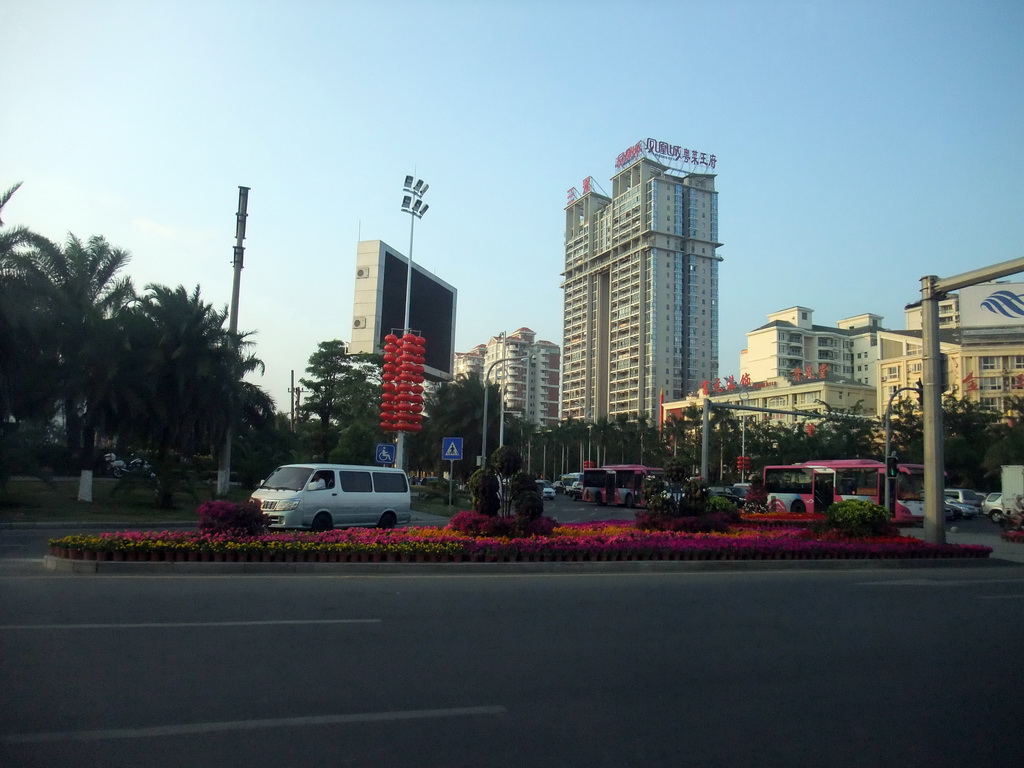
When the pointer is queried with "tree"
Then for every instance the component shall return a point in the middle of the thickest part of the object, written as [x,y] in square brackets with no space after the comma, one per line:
[27,356]
[84,299]
[1007,446]
[341,390]
[188,385]
[455,409]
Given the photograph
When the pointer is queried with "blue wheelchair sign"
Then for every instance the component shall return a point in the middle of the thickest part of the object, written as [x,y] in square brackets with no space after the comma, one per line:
[385,453]
[451,448]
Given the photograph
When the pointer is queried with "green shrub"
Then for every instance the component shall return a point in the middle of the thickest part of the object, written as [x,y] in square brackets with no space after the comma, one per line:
[858,518]
[720,504]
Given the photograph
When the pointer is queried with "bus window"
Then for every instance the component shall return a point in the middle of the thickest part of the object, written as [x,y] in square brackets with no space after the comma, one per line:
[787,480]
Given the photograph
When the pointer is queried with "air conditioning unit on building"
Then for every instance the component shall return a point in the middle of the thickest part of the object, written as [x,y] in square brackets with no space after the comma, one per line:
[359,322]
[362,272]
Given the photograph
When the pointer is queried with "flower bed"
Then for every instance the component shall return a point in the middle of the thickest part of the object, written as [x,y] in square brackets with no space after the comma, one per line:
[607,540]
[1015,536]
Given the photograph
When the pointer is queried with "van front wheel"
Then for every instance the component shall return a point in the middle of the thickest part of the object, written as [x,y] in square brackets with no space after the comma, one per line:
[387,520]
[322,522]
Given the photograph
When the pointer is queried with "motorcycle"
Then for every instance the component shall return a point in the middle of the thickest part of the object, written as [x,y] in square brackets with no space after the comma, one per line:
[119,467]
[113,465]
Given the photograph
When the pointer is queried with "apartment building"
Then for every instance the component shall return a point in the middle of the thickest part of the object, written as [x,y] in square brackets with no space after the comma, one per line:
[790,341]
[530,383]
[640,286]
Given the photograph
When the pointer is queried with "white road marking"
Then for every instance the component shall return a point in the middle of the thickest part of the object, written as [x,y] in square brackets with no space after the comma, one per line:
[937,582]
[248,725]
[176,624]
[1001,597]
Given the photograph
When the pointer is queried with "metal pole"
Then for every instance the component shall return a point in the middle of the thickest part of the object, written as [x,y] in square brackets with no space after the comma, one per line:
[934,455]
[483,437]
[400,441]
[224,471]
[705,440]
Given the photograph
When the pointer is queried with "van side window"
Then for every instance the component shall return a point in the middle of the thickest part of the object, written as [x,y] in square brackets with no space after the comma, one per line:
[326,475]
[355,482]
[389,482]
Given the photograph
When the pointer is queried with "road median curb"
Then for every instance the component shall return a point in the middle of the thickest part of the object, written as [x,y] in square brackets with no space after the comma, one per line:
[64,565]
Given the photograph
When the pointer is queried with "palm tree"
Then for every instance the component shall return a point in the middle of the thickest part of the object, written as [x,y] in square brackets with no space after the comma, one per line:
[188,388]
[84,299]
[25,346]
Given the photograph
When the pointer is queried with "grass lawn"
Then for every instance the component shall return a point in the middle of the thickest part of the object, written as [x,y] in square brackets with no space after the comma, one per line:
[130,500]
[114,501]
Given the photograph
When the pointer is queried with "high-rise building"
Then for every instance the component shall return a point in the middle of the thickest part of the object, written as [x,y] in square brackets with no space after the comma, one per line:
[529,383]
[641,286]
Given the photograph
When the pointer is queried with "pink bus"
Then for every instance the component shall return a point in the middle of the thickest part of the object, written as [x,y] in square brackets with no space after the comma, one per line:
[617,484]
[814,485]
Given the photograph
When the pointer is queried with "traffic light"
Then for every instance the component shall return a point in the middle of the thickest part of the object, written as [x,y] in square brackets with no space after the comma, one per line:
[892,466]
[943,373]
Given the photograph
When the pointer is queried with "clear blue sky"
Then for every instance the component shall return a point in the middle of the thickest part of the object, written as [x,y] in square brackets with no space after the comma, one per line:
[860,145]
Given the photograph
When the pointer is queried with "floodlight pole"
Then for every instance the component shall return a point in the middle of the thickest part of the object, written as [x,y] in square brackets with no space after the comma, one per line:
[412,203]
[224,471]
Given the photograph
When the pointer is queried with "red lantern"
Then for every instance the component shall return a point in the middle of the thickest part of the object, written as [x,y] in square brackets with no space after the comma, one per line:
[391,338]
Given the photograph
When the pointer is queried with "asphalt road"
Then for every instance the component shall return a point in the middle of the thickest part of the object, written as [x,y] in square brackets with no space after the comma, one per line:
[848,668]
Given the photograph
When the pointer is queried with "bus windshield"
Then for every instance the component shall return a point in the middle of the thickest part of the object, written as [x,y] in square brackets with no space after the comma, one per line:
[910,486]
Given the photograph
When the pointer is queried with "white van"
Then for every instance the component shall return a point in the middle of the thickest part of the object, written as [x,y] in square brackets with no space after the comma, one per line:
[320,497]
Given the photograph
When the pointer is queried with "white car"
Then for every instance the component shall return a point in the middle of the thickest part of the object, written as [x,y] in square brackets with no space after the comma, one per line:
[546,490]
[992,505]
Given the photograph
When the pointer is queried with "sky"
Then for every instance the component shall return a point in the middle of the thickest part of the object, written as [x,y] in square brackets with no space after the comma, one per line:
[859,145]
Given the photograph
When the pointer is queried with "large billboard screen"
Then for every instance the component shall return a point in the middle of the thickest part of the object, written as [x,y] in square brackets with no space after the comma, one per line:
[992,304]
[431,312]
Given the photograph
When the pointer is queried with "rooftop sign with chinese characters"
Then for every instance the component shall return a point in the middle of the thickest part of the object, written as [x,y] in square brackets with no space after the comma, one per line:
[662,149]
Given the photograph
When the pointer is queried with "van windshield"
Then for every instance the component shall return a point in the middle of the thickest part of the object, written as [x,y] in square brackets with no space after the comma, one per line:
[287,479]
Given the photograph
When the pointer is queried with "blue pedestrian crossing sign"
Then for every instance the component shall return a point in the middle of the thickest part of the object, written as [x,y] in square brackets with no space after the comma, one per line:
[385,453]
[451,448]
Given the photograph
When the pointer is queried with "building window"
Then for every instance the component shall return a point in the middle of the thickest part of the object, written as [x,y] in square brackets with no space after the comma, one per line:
[988,363]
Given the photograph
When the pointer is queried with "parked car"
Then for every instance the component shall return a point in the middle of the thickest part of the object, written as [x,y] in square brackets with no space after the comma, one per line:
[740,492]
[954,510]
[992,505]
[727,494]
[546,490]
[965,496]
[575,491]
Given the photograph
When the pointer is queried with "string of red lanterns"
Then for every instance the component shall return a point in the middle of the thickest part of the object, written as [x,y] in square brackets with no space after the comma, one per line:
[401,401]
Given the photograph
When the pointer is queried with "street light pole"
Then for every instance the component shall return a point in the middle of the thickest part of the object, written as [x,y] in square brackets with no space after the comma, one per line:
[412,203]
[487,375]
